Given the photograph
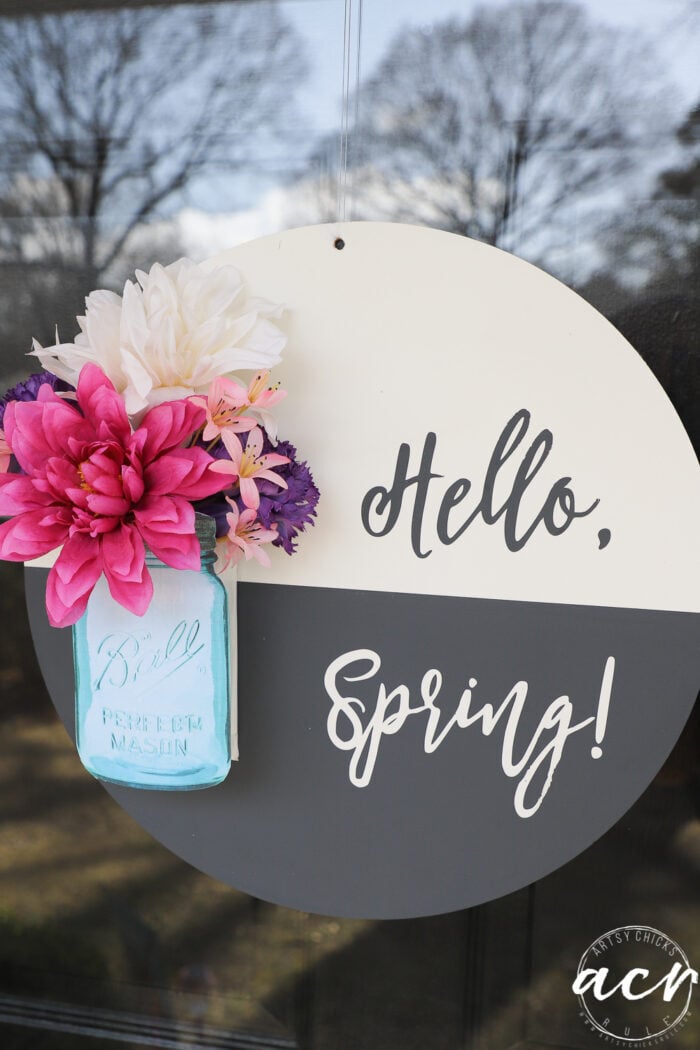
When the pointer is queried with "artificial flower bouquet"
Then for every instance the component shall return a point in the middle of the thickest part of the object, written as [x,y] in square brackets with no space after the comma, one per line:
[140,448]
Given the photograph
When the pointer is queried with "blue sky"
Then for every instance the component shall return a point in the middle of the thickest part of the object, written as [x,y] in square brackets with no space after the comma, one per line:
[257,204]
[321,24]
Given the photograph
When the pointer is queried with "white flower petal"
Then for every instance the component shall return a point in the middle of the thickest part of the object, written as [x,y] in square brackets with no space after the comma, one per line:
[268,421]
[266,339]
[229,361]
[136,375]
[135,405]
[239,328]
[169,393]
[101,330]
[63,359]
[132,332]
[53,364]
[266,308]
[103,297]
[218,290]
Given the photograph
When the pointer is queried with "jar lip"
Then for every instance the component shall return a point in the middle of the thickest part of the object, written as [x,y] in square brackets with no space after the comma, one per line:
[205,531]
[205,556]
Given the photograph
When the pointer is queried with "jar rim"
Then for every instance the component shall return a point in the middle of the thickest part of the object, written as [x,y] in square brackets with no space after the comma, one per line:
[205,531]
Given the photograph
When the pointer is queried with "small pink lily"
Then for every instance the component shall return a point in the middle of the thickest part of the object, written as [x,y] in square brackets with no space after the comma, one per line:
[5,454]
[247,464]
[223,404]
[245,536]
[260,398]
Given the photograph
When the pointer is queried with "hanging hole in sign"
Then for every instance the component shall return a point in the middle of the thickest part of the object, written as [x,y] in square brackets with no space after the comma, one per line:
[339,243]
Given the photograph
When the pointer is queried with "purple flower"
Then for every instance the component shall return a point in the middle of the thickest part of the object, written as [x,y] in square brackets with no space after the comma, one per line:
[290,509]
[293,508]
[28,389]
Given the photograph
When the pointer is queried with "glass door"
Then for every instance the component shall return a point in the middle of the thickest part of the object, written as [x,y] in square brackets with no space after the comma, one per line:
[567,133]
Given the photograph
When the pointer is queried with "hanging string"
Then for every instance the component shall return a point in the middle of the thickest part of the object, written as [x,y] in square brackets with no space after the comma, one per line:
[344,106]
[352,38]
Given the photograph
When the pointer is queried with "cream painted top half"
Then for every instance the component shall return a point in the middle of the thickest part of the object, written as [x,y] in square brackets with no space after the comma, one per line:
[409,330]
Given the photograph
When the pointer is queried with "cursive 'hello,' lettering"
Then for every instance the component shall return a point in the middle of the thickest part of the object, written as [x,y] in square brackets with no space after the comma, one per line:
[362,736]
[381,506]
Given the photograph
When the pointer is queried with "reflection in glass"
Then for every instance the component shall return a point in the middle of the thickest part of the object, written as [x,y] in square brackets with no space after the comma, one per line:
[565,132]
[110,119]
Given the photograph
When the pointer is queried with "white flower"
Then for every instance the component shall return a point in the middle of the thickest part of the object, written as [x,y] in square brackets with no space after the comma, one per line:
[171,334]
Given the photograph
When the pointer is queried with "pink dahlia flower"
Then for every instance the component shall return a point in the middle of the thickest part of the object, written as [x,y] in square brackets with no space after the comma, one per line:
[102,491]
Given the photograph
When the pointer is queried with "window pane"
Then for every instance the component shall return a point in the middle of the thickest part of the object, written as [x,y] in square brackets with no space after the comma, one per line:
[136,133]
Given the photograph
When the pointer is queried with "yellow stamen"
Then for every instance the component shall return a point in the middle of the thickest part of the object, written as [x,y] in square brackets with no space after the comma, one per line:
[83,483]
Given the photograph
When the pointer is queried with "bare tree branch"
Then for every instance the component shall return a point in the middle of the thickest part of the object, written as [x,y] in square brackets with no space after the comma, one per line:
[110,116]
[500,125]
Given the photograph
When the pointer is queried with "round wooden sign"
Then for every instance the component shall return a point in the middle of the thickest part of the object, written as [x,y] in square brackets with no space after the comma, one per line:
[487,646]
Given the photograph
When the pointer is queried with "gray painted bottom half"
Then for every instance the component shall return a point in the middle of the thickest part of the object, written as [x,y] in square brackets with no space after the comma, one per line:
[436,830]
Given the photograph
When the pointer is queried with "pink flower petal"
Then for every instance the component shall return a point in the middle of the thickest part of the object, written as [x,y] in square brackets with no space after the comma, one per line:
[210,432]
[32,534]
[62,482]
[269,475]
[165,514]
[232,446]
[225,466]
[124,559]
[184,472]
[269,397]
[242,424]
[249,493]
[77,568]
[167,527]
[18,493]
[239,425]
[180,552]
[168,425]
[134,596]
[254,443]
[232,553]
[72,579]
[273,459]
[109,506]
[132,481]
[38,430]
[99,526]
[101,465]
[102,406]
[228,389]
[123,552]
[76,496]
[260,554]
[107,485]
[60,614]
[164,475]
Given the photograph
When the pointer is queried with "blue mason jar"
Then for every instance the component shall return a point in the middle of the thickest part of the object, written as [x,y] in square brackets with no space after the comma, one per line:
[152,691]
